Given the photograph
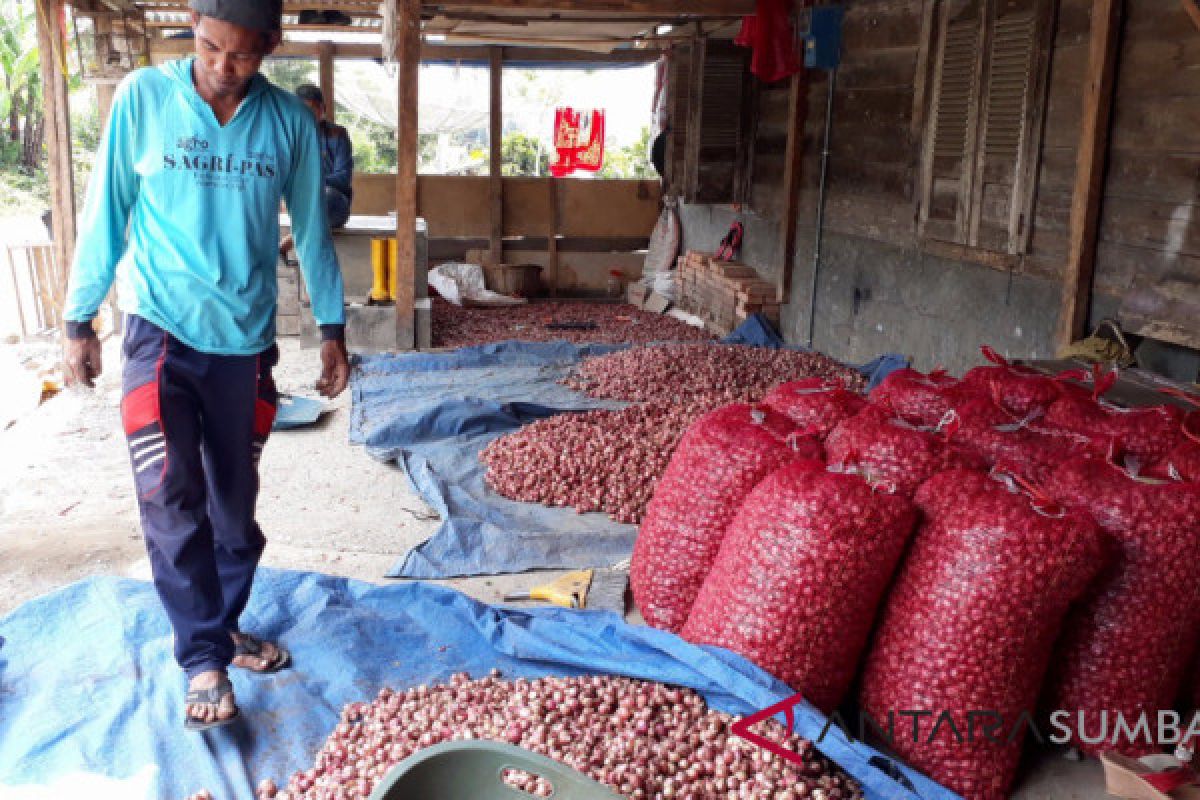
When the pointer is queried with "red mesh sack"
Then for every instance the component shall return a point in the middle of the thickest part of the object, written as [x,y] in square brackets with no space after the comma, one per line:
[1019,390]
[889,450]
[718,461]
[989,432]
[1144,434]
[918,398]
[800,575]
[1183,462]
[814,405]
[1127,646]
[970,624]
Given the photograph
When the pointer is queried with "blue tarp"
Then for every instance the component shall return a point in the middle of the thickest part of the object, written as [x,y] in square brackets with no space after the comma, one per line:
[88,683]
[432,413]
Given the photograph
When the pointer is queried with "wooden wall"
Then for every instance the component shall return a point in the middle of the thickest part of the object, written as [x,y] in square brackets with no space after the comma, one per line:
[458,206]
[1150,226]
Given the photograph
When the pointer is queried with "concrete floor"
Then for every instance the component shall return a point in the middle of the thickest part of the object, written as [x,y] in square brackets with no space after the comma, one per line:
[67,512]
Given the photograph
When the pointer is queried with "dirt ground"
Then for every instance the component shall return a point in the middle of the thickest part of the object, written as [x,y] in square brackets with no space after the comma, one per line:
[67,509]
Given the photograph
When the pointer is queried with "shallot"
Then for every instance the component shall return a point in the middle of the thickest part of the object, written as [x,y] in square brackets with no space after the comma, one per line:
[643,740]
[552,320]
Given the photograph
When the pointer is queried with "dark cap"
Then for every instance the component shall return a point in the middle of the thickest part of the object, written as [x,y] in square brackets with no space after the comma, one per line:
[256,15]
[310,93]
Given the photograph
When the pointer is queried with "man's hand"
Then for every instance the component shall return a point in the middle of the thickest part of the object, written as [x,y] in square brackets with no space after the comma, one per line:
[335,368]
[82,361]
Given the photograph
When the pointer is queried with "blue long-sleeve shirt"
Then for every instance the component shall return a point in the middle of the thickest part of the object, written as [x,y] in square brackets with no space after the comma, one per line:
[184,213]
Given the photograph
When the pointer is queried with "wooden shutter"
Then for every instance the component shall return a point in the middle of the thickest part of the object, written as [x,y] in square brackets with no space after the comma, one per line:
[679,79]
[718,140]
[950,138]
[1012,99]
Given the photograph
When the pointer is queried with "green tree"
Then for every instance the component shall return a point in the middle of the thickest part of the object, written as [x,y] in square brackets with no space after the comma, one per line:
[21,92]
[289,73]
[523,155]
[631,161]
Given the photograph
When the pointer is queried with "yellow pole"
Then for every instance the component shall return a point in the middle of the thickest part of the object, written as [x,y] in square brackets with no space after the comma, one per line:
[380,267]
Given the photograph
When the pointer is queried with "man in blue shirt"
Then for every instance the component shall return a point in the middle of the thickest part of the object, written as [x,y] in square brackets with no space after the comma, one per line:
[182,214]
[337,160]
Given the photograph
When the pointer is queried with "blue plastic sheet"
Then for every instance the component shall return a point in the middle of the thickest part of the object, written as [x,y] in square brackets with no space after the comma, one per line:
[295,411]
[88,683]
[758,331]
[432,413]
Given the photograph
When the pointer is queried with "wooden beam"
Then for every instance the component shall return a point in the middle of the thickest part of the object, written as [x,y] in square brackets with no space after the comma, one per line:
[1193,11]
[667,8]
[58,130]
[496,154]
[408,60]
[793,170]
[552,240]
[325,70]
[431,52]
[1103,47]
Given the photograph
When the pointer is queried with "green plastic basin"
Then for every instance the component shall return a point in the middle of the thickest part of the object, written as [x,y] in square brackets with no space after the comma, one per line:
[473,770]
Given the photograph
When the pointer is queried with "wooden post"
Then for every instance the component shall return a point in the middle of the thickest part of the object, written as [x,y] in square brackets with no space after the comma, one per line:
[793,167]
[408,58]
[552,242]
[325,70]
[58,130]
[496,155]
[1103,47]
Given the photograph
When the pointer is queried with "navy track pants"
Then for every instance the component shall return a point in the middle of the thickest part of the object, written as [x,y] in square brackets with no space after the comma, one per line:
[196,424]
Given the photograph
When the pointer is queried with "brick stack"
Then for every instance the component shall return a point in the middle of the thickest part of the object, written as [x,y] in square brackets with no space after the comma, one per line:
[723,293]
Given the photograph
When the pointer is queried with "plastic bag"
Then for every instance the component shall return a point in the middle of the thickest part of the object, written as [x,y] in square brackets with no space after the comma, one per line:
[970,624]
[800,575]
[1127,646]
[720,458]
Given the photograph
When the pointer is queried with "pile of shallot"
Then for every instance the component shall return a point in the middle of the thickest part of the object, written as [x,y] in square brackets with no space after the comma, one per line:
[606,461]
[643,740]
[552,320]
[676,372]
[611,461]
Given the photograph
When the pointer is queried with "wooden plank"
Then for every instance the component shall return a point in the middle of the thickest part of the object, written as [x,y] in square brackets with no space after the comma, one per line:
[792,175]
[552,234]
[325,70]
[58,129]
[465,54]
[1103,49]
[671,9]
[691,158]
[408,60]
[496,155]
